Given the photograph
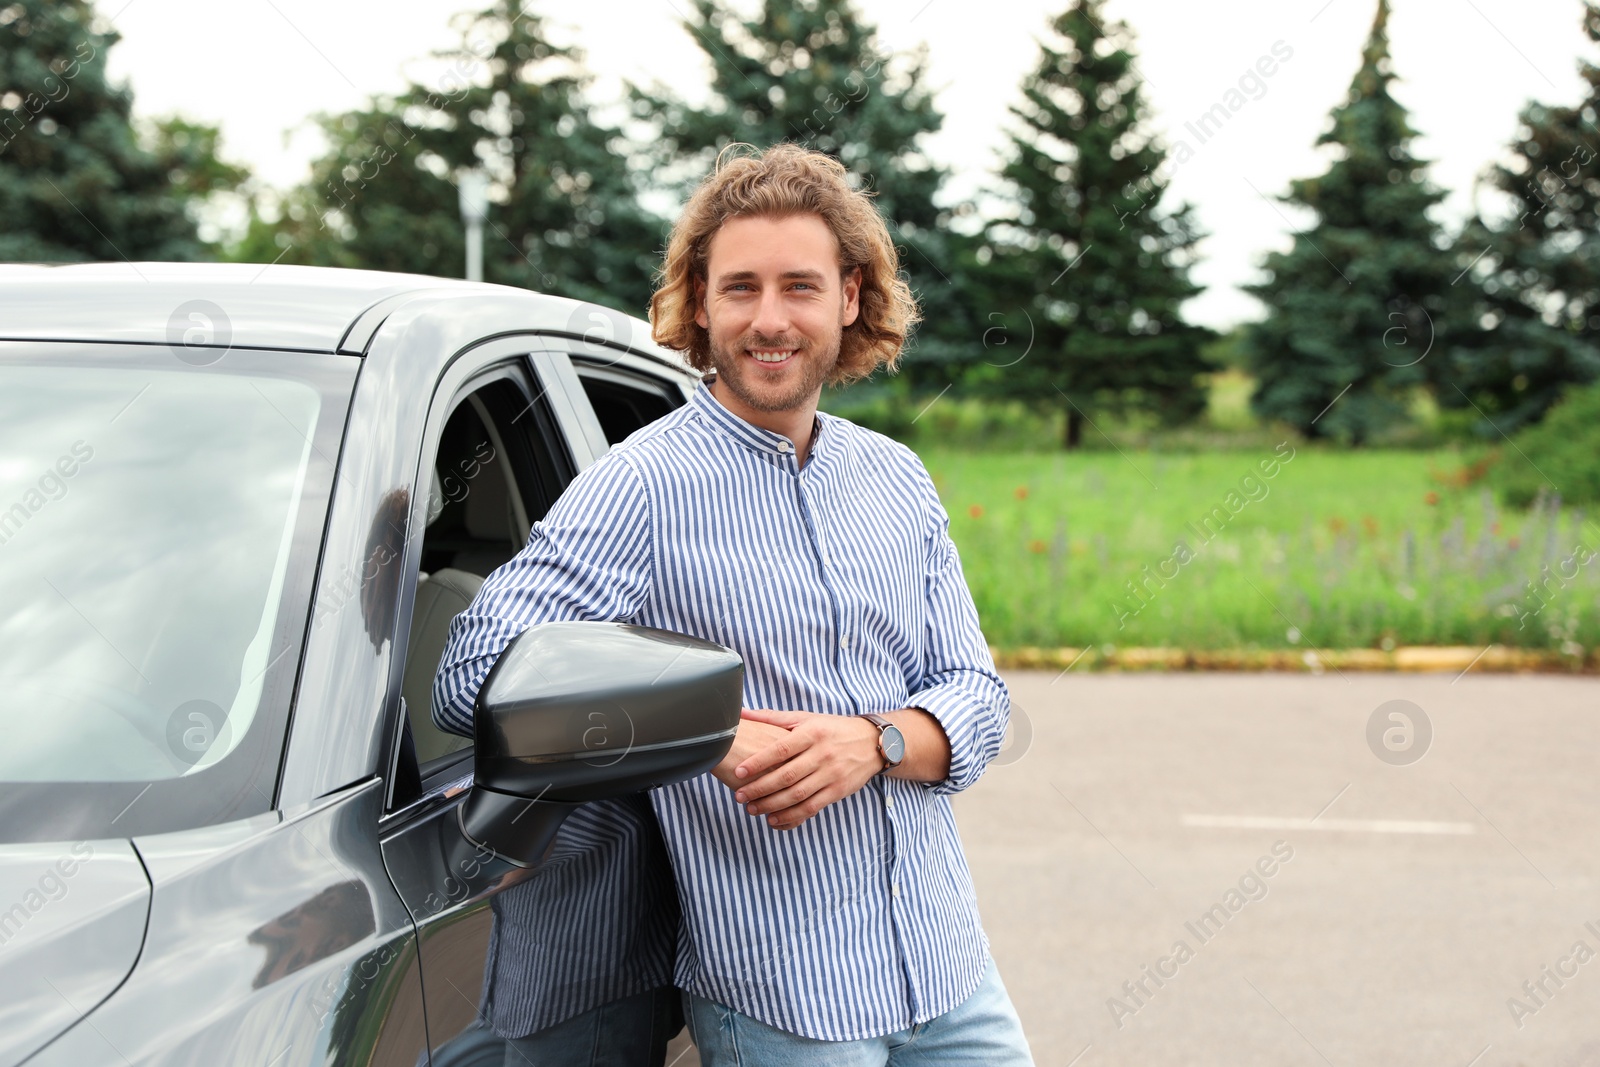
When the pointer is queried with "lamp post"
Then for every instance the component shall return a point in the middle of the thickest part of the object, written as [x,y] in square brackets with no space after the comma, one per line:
[474,187]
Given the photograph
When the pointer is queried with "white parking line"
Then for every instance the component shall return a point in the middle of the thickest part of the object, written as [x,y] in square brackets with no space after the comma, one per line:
[1360,826]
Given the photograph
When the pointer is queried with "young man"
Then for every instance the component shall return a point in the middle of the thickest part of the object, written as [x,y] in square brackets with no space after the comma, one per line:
[828,912]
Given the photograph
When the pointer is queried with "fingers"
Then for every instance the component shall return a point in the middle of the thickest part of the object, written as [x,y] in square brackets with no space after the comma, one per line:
[770,788]
[786,719]
[780,751]
[797,790]
[807,766]
[791,817]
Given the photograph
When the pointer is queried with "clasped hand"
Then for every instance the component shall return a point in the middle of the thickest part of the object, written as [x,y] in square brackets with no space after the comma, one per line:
[789,765]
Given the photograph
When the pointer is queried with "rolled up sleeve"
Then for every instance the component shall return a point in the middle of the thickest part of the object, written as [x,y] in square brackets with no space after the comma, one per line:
[959,685]
[589,559]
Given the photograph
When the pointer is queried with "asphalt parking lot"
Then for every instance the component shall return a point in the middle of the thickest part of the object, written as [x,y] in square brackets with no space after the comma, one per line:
[1339,898]
[1419,898]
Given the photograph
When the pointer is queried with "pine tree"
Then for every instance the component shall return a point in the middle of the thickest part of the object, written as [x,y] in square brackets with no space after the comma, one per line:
[77,181]
[812,72]
[565,216]
[1359,302]
[1086,273]
[1538,278]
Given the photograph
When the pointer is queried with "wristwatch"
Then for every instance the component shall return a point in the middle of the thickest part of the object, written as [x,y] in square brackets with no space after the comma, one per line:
[891,742]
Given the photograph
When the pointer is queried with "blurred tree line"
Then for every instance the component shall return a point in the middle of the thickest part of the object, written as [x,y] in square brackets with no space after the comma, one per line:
[1060,285]
[77,180]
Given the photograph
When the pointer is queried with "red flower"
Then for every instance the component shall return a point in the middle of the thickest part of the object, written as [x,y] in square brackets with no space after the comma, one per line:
[976,511]
[1022,492]
[1430,498]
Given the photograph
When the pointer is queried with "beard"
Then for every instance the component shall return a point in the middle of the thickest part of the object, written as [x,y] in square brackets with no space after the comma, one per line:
[812,366]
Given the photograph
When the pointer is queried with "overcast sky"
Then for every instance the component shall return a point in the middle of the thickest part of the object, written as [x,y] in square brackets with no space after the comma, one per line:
[260,67]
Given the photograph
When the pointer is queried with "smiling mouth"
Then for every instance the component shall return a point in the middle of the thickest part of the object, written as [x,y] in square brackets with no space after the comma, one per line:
[771,356]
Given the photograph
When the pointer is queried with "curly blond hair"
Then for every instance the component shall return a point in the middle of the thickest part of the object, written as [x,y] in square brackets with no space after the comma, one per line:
[787,180]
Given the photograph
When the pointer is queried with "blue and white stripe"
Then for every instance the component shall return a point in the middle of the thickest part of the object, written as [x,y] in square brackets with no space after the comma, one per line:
[595,922]
[840,587]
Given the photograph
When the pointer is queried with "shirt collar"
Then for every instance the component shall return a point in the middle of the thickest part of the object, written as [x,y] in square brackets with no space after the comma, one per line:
[756,438]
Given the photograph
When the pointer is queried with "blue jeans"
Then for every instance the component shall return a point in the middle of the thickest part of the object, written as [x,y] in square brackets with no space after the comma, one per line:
[983,1029]
[631,1032]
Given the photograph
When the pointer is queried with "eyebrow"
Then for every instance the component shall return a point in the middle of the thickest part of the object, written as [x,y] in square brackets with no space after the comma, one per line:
[788,275]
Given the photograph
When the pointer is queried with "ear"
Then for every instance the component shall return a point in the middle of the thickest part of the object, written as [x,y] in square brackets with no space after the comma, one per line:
[700,315]
[852,297]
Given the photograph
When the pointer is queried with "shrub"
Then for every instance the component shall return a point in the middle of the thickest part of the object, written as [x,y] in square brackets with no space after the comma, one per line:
[1564,448]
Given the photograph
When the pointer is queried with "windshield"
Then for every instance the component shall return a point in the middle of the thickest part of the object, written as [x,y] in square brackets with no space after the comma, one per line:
[158,527]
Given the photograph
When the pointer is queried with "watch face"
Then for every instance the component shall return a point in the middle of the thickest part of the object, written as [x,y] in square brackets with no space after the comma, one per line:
[894,743]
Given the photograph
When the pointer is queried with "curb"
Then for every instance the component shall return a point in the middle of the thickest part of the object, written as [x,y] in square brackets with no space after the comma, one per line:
[1496,659]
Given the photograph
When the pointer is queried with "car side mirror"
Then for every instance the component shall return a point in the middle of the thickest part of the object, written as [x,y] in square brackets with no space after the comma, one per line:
[580,711]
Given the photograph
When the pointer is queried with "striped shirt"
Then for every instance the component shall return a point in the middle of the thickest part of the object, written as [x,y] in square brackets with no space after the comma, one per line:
[838,584]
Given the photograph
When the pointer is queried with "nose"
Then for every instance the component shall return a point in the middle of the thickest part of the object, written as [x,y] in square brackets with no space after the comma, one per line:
[772,317]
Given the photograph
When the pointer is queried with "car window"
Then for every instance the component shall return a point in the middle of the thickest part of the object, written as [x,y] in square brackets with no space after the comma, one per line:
[496,471]
[624,401]
[159,524]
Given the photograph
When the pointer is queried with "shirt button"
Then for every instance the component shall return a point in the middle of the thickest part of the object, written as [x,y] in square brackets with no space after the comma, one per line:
[785,446]
[888,802]
[894,890]
[844,641]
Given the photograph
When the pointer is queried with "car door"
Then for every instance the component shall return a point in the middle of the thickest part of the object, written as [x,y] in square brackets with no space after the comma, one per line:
[506,951]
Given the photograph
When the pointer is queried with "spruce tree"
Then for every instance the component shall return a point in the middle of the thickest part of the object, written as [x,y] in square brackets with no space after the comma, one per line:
[1085,274]
[1538,276]
[812,72]
[565,215]
[77,181]
[1362,299]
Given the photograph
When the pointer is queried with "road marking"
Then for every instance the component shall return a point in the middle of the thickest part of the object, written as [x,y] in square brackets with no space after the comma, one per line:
[1360,826]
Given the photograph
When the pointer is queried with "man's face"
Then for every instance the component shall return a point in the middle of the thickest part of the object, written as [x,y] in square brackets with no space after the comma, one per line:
[775,308]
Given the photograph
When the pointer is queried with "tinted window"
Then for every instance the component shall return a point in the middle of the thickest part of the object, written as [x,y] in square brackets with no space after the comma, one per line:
[624,402]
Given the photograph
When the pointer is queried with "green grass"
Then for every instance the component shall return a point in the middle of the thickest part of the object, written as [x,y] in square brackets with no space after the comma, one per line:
[1344,550]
